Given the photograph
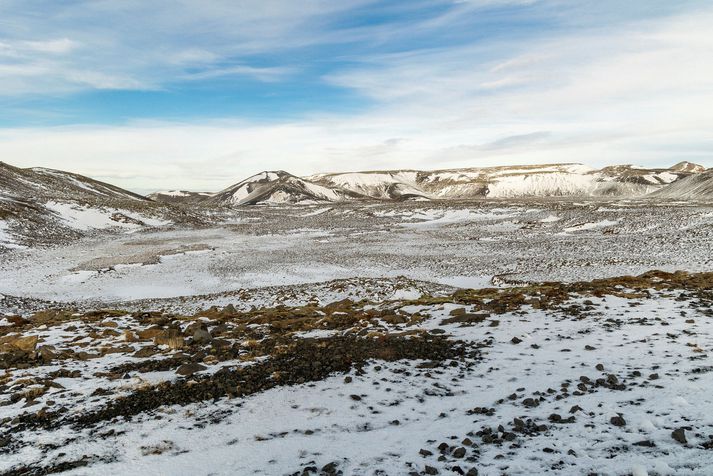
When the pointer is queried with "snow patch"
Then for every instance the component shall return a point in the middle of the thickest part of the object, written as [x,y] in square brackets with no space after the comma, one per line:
[87,218]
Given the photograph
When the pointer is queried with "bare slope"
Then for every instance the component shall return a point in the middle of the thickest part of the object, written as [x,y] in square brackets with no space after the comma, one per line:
[693,187]
[41,206]
[57,184]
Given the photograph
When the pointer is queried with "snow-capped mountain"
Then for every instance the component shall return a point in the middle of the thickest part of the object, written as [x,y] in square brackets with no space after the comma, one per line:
[179,196]
[276,187]
[553,180]
[556,180]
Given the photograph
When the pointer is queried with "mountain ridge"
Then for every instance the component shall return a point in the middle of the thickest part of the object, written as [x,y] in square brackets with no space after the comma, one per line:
[41,206]
[542,180]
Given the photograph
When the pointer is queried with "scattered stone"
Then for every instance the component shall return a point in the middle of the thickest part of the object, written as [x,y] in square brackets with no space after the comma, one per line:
[172,338]
[679,435]
[145,352]
[189,369]
[328,469]
[618,420]
[25,344]
[201,336]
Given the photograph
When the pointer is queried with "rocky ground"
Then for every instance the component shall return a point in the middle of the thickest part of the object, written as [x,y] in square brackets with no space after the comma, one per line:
[608,376]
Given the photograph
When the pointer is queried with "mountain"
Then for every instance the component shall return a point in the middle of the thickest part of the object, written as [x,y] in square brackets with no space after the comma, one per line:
[687,167]
[56,184]
[554,180]
[40,206]
[694,187]
[182,197]
[277,187]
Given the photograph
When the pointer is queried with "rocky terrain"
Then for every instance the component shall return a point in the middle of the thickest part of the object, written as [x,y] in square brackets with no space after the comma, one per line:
[601,377]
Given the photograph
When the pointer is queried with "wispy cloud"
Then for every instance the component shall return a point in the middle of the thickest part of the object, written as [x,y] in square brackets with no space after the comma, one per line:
[133,44]
[268,74]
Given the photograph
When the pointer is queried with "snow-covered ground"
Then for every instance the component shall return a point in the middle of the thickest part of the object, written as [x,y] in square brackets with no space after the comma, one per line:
[456,244]
[609,380]
[88,218]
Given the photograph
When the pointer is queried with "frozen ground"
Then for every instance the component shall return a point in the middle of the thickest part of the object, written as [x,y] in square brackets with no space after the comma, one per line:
[610,377]
[345,340]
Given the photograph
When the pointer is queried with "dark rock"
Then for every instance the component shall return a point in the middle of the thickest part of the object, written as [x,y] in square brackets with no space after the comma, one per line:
[618,421]
[459,452]
[679,435]
[201,336]
[530,402]
[329,469]
[189,369]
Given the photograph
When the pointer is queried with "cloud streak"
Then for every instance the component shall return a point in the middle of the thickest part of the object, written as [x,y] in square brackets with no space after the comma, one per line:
[132,44]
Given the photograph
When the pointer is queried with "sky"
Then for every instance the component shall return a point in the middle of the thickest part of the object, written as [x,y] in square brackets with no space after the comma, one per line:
[198,94]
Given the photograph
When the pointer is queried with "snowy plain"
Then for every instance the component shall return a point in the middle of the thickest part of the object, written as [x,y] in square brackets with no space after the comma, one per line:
[462,245]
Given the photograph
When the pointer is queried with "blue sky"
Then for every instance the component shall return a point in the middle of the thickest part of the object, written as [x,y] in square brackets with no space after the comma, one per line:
[197,94]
